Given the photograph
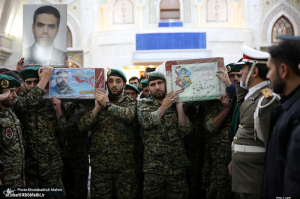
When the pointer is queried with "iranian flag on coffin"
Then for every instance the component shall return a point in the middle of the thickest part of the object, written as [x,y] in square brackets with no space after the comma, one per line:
[195,79]
[75,83]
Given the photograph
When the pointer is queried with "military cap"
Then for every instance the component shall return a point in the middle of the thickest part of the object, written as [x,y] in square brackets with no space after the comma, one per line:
[30,72]
[132,87]
[12,74]
[3,70]
[232,68]
[8,82]
[288,37]
[253,57]
[155,76]
[144,83]
[116,72]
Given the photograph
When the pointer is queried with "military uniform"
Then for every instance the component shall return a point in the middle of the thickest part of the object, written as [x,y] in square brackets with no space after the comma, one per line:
[12,152]
[217,178]
[41,131]
[75,159]
[248,146]
[165,158]
[111,152]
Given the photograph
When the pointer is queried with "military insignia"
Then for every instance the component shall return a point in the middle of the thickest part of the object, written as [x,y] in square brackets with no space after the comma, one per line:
[121,125]
[251,98]
[141,85]
[228,69]
[136,85]
[21,77]
[108,73]
[9,133]
[4,83]
[267,92]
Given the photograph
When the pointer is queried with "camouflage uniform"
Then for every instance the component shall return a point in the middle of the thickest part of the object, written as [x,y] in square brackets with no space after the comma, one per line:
[75,159]
[217,179]
[138,157]
[41,131]
[165,158]
[111,152]
[12,152]
[196,150]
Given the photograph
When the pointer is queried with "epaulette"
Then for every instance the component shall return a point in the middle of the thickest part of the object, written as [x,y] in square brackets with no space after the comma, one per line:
[149,99]
[128,97]
[267,92]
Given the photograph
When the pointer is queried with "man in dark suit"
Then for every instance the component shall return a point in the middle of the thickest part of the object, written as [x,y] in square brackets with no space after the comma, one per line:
[45,27]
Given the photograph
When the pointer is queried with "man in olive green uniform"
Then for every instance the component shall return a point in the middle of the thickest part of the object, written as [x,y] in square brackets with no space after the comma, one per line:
[255,101]
[111,154]
[43,123]
[164,125]
[217,125]
[12,152]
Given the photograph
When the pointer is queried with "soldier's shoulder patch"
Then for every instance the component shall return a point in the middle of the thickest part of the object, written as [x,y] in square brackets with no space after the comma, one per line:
[267,92]
[9,133]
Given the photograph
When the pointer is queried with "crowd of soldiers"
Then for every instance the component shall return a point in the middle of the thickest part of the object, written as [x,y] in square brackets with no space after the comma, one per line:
[142,143]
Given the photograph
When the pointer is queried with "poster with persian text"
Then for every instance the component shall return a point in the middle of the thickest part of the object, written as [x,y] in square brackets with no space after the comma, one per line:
[75,83]
[195,80]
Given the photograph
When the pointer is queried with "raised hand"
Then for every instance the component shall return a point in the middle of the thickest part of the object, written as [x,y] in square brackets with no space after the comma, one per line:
[224,78]
[170,98]
[4,95]
[226,101]
[46,73]
[101,98]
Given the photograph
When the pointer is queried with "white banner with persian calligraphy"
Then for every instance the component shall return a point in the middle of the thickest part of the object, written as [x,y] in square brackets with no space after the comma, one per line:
[195,81]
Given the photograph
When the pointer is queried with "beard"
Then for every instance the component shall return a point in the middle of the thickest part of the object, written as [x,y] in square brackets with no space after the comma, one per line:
[61,86]
[159,96]
[119,92]
[278,85]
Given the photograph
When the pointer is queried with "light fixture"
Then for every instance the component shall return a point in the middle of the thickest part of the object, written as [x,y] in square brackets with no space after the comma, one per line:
[131,66]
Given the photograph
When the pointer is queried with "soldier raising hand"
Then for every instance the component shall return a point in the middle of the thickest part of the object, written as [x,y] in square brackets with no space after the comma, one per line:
[164,125]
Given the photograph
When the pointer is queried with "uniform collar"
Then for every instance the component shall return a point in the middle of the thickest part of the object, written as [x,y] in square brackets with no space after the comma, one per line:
[255,88]
[116,99]
[289,100]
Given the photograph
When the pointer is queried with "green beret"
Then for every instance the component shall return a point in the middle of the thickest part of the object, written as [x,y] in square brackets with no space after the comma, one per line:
[8,82]
[132,87]
[29,72]
[233,68]
[116,72]
[155,76]
[144,83]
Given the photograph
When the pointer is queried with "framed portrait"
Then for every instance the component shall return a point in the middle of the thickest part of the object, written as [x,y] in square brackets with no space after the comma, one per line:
[45,35]
[195,79]
[75,83]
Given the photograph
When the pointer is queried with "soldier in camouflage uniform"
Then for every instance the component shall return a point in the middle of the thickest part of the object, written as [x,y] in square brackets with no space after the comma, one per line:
[12,152]
[111,154]
[164,126]
[75,156]
[217,180]
[43,123]
[132,91]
